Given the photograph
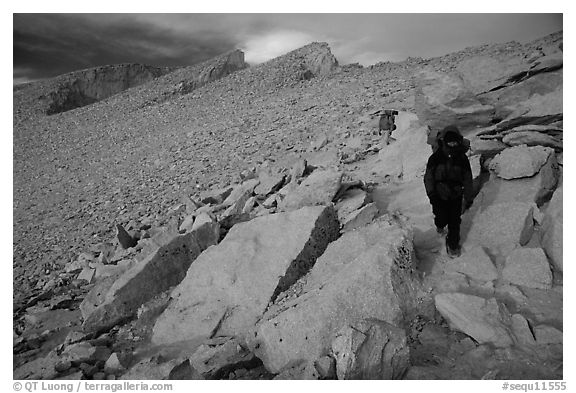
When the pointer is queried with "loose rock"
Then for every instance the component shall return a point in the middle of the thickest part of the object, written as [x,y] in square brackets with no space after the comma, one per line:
[216,361]
[371,349]
[87,275]
[360,217]
[187,224]
[124,238]
[220,293]
[352,200]
[520,161]
[486,321]
[113,365]
[522,331]
[156,368]
[318,189]
[85,352]
[269,183]
[240,191]
[158,272]
[215,197]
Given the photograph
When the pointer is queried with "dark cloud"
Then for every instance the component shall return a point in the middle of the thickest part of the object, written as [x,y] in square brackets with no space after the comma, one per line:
[46,45]
[52,44]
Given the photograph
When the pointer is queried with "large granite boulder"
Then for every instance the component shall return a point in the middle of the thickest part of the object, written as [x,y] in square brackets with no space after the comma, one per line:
[371,349]
[528,267]
[502,227]
[483,73]
[552,230]
[548,335]
[162,269]
[487,321]
[548,63]
[520,161]
[537,188]
[542,128]
[442,99]
[538,105]
[318,58]
[531,95]
[543,306]
[531,138]
[527,84]
[229,286]
[366,273]
[487,147]
[317,189]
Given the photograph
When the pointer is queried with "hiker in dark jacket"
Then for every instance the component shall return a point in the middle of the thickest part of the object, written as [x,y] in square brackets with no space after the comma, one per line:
[448,181]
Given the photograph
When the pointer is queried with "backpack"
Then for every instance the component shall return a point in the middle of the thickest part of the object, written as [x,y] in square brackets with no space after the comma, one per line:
[386,123]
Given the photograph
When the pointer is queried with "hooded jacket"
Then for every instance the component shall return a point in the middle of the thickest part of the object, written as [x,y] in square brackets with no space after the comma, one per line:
[435,136]
[448,174]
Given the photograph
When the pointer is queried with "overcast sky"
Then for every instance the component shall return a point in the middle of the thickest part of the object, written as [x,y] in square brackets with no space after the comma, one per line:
[47,45]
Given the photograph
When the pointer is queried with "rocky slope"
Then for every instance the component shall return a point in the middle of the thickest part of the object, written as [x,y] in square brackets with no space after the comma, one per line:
[183,160]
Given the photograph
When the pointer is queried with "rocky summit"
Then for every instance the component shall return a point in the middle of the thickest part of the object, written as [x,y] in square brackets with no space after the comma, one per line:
[227,221]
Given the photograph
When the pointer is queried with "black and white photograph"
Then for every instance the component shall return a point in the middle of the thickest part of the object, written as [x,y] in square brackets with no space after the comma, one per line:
[287,196]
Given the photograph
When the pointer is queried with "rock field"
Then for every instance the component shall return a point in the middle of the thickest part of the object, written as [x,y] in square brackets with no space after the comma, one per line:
[221,221]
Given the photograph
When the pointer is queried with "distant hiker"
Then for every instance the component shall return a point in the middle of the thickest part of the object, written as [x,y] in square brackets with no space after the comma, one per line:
[386,125]
[448,180]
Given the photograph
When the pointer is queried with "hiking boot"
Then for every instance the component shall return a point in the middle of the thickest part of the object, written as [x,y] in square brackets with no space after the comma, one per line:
[441,231]
[453,252]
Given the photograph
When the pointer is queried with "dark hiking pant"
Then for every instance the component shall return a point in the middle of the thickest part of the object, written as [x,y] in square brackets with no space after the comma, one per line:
[448,213]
